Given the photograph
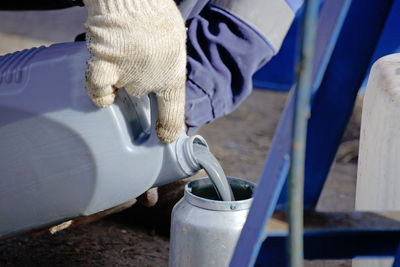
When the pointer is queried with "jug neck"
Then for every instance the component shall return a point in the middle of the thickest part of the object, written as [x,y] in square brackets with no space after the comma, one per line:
[185,153]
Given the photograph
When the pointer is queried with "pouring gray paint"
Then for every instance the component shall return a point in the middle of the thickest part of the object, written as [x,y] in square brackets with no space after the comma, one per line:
[214,170]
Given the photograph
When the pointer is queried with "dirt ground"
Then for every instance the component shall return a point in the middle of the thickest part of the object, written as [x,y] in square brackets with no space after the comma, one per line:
[139,236]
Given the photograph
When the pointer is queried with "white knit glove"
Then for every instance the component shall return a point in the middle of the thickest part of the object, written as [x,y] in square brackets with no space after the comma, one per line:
[139,45]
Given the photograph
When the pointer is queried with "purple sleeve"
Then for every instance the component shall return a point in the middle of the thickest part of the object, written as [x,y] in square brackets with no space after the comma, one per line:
[223,54]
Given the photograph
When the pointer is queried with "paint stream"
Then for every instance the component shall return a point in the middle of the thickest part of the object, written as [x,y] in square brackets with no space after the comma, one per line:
[215,172]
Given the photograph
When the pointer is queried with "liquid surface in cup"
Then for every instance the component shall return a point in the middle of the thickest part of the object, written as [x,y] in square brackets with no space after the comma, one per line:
[214,170]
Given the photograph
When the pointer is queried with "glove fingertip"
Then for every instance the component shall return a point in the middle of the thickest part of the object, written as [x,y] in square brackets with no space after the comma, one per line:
[101,101]
[149,198]
[167,134]
[171,114]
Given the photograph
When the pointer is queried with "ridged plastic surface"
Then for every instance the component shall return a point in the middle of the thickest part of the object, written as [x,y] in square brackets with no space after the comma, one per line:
[13,69]
[61,156]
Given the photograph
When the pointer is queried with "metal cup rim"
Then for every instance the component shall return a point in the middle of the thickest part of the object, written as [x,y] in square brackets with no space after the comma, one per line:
[217,205]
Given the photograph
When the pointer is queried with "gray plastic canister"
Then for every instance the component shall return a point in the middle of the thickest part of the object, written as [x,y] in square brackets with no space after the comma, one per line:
[60,156]
[204,230]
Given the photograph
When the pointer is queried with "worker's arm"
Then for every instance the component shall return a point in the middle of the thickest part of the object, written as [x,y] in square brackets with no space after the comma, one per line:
[228,41]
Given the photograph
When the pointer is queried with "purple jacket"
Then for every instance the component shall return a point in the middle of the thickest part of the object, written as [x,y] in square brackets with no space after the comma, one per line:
[228,41]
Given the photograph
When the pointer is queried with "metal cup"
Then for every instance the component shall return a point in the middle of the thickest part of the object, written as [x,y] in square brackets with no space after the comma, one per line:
[205,230]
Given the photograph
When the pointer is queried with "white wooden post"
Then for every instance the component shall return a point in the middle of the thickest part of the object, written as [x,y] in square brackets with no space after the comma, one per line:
[378,178]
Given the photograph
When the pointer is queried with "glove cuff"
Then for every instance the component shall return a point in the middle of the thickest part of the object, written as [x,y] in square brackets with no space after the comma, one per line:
[120,7]
[105,7]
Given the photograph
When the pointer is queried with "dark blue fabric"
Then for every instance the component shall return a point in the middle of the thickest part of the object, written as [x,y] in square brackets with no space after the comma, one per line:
[223,55]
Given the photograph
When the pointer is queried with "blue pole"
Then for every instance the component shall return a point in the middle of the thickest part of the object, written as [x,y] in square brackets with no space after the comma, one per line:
[301,113]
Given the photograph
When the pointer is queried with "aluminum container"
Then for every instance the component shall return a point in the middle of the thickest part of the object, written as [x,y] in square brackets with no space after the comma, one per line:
[204,230]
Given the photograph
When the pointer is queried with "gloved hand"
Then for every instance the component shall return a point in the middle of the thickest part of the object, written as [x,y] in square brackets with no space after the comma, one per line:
[139,45]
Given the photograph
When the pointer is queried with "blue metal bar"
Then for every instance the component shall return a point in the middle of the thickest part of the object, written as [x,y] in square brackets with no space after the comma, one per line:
[330,22]
[333,245]
[332,107]
[267,192]
[299,134]
[389,40]
[271,181]
[333,102]
[335,235]
[396,262]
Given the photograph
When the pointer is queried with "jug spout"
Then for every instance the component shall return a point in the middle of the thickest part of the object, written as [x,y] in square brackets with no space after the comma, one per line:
[185,153]
[179,160]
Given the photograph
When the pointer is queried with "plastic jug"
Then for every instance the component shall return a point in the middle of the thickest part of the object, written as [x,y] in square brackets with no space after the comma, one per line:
[62,157]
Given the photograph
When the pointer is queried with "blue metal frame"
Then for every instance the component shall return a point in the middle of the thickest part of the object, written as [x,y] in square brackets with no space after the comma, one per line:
[334,100]
[396,262]
[331,108]
[266,195]
[389,42]
[331,19]
[332,245]
[330,23]
[271,181]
